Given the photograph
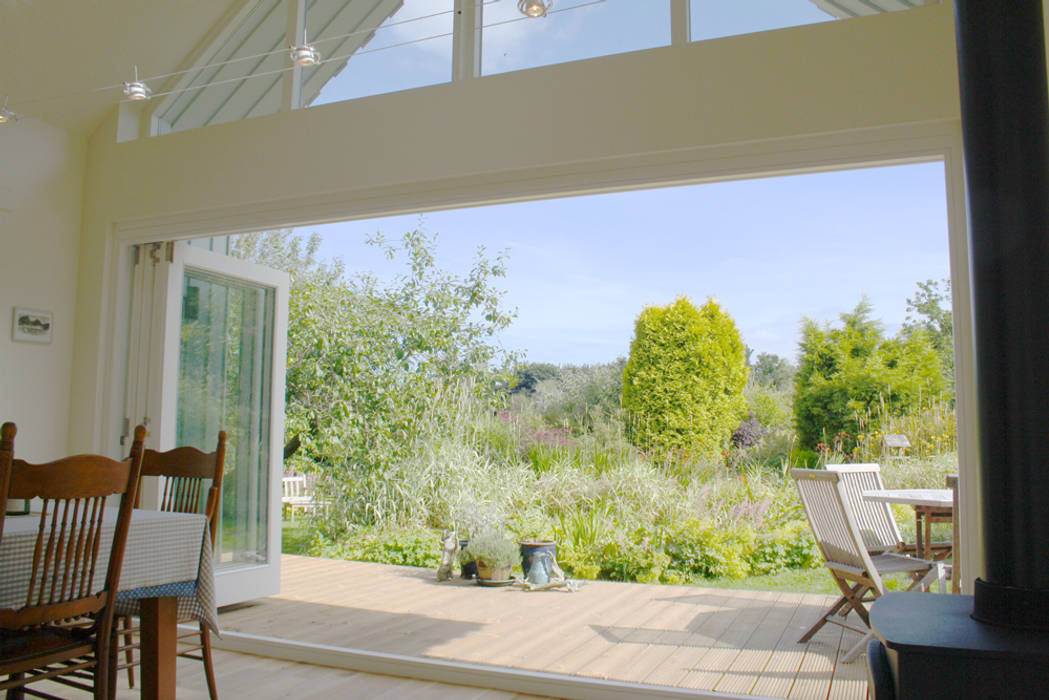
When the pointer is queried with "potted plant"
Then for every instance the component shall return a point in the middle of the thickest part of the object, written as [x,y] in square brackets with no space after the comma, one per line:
[471,518]
[494,554]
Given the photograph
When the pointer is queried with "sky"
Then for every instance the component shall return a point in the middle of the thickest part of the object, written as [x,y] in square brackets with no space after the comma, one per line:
[581,269]
[770,251]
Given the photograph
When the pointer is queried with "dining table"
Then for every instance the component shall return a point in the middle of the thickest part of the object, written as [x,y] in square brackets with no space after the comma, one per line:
[930,506]
[167,575]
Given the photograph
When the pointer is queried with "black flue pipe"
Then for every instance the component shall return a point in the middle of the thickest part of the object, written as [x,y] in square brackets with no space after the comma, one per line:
[1005,126]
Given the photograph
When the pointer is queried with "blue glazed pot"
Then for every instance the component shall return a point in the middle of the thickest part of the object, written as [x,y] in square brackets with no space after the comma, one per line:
[529,548]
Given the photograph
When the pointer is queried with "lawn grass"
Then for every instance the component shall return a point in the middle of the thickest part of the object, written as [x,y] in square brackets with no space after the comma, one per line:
[794,580]
[295,537]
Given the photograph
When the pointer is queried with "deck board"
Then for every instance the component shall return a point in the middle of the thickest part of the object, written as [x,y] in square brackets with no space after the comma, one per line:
[741,642]
[260,678]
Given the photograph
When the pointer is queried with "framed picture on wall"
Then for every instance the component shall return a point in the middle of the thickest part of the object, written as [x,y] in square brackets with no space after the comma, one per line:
[31,326]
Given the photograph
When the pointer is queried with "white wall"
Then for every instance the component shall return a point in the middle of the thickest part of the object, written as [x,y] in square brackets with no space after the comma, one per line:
[40,222]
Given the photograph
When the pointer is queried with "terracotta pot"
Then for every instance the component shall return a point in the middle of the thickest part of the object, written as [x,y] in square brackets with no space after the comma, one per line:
[492,573]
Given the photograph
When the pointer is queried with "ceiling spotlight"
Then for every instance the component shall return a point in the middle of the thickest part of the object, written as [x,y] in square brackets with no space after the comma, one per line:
[534,8]
[137,89]
[6,115]
[305,54]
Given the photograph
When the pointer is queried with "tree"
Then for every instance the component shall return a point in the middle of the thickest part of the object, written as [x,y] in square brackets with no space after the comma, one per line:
[683,383]
[773,371]
[529,375]
[931,306]
[368,362]
[849,373]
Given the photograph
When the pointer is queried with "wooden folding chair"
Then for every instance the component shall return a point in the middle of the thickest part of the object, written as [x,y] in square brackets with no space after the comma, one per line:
[188,474]
[876,521]
[856,572]
[62,632]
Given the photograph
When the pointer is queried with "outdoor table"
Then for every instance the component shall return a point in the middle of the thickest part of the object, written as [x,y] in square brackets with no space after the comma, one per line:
[167,573]
[930,505]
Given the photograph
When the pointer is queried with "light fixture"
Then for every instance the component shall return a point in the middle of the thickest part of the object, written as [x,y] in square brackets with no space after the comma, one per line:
[534,8]
[6,115]
[137,89]
[305,54]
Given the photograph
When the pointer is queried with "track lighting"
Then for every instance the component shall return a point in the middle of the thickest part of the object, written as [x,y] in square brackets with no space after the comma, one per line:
[305,54]
[137,89]
[6,115]
[534,8]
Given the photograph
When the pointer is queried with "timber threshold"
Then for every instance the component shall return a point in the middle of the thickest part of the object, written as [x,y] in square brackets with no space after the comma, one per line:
[606,640]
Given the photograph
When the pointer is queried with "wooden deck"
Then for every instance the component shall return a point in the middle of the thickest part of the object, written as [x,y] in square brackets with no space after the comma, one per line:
[740,642]
[258,678]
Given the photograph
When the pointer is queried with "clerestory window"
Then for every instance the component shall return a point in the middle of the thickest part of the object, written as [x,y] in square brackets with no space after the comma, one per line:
[369,47]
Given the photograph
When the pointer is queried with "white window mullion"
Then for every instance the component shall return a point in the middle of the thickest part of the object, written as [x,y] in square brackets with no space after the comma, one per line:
[466,40]
[680,22]
[291,80]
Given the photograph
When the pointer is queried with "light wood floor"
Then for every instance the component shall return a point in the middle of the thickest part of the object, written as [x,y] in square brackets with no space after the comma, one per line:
[708,639]
[241,676]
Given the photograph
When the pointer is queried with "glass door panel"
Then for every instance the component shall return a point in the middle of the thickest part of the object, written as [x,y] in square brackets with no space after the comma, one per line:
[225,353]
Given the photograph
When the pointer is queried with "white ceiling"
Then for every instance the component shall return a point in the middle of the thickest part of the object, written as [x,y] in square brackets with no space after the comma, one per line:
[62,50]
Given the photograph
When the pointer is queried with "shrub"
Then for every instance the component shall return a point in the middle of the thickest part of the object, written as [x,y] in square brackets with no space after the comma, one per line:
[749,433]
[774,408]
[702,548]
[627,560]
[846,373]
[789,546]
[401,546]
[683,384]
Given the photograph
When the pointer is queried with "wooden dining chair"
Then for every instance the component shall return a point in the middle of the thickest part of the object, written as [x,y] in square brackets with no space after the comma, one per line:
[191,483]
[62,630]
[856,572]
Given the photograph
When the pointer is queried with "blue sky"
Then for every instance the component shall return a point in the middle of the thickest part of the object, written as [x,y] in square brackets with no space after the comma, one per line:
[582,269]
[771,251]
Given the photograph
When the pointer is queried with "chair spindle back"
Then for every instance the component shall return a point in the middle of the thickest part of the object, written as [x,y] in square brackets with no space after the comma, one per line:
[186,473]
[70,536]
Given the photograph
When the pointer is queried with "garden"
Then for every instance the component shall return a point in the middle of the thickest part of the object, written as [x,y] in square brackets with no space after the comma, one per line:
[668,466]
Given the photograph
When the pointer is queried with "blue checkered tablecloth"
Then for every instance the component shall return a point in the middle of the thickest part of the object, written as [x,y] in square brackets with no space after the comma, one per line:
[166,554]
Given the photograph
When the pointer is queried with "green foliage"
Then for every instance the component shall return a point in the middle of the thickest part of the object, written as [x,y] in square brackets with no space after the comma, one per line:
[847,373]
[702,548]
[631,560]
[683,384]
[772,371]
[493,548]
[789,546]
[401,546]
[529,374]
[931,306]
[396,402]
[368,364]
[579,397]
